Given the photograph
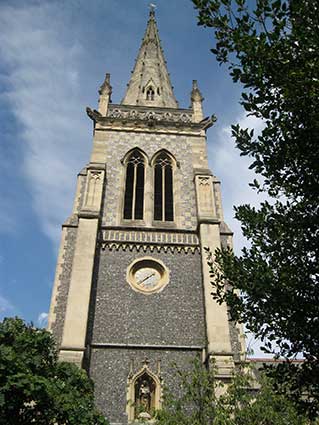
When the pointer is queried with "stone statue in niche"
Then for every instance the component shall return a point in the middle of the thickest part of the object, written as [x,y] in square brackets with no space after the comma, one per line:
[144,397]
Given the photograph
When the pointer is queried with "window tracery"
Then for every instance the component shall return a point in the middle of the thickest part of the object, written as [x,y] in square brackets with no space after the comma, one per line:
[134,187]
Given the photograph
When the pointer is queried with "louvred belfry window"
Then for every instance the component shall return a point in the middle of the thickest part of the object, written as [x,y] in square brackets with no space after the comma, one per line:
[134,187]
[163,189]
[150,94]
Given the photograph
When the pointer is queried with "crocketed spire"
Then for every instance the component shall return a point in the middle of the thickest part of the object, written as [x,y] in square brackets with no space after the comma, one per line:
[150,83]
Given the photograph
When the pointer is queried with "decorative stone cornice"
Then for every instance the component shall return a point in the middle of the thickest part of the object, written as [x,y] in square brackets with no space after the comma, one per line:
[149,241]
[148,114]
[142,117]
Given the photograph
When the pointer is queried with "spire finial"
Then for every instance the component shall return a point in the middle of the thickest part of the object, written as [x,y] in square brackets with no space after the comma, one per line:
[152,7]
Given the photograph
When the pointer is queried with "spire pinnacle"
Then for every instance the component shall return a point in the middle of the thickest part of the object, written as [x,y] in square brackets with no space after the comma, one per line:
[197,99]
[196,95]
[105,96]
[150,84]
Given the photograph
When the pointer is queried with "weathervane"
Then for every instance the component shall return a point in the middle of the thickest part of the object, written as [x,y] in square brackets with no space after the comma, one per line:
[152,7]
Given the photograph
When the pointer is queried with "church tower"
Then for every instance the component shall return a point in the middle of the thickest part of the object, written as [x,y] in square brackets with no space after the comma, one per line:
[132,291]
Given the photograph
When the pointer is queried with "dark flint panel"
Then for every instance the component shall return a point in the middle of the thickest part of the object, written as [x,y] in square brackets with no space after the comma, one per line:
[174,316]
[110,369]
[63,290]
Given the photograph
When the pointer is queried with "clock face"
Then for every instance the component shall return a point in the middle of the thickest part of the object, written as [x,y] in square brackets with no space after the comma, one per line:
[147,275]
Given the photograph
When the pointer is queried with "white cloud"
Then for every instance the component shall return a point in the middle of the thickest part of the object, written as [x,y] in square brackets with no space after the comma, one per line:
[42,320]
[44,95]
[233,171]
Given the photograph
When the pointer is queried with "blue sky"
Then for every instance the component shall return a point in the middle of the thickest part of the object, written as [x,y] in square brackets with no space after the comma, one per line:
[54,55]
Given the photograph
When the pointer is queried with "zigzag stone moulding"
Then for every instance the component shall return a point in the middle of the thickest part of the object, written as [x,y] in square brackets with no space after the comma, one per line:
[112,246]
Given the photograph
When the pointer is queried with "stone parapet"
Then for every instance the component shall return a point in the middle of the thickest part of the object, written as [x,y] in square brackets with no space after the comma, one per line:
[147,113]
[136,118]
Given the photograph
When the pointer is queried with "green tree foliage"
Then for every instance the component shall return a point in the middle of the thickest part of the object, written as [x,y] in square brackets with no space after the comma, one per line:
[237,403]
[37,389]
[271,48]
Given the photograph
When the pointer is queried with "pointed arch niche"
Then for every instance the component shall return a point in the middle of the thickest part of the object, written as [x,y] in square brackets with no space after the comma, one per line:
[164,165]
[150,91]
[133,203]
[144,394]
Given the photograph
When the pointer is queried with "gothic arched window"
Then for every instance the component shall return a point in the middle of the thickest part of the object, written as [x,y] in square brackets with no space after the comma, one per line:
[134,187]
[163,188]
[150,93]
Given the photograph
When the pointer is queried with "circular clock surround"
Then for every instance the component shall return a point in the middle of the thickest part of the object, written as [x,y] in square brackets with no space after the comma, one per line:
[147,275]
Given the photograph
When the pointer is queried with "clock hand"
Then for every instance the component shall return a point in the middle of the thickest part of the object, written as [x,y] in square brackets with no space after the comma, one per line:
[145,278]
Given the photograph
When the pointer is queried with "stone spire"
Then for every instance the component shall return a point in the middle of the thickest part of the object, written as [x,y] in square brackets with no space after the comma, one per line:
[150,83]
